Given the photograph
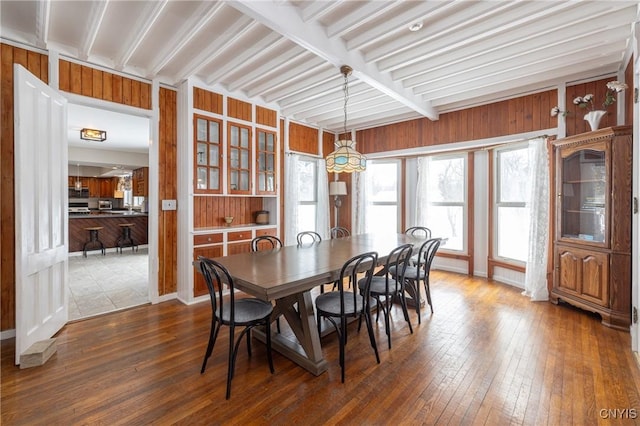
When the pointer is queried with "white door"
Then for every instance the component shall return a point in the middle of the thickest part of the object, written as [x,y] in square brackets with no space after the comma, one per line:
[40,148]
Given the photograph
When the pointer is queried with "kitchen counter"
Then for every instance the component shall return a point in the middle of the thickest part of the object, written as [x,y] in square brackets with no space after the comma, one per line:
[109,220]
[106,213]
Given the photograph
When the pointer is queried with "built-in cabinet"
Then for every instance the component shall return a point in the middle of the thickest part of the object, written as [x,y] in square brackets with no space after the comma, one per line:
[140,182]
[98,187]
[235,175]
[592,247]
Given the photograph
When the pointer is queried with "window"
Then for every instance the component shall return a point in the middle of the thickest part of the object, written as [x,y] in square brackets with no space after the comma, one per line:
[383,197]
[446,195]
[511,212]
[307,194]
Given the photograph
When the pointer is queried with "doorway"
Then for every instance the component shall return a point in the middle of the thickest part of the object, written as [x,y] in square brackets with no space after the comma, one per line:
[118,279]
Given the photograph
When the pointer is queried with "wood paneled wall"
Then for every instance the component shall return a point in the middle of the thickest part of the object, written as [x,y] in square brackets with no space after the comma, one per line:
[266,116]
[303,138]
[628,94]
[37,64]
[574,119]
[239,109]
[210,211]
[207,100]
[87,81]
[512,116]
[167,190]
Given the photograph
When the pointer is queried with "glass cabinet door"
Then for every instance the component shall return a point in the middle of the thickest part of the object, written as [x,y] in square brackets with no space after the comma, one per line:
[239,159]
[207,155]
[583,195]
[266,151]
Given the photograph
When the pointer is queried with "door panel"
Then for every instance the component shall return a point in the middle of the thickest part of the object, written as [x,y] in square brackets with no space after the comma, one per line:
[41,210]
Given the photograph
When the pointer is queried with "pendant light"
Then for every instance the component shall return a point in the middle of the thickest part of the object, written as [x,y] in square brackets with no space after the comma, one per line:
[78,184]
[345,158]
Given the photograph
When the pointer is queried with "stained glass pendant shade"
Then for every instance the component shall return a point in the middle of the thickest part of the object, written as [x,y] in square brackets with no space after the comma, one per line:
[345,158]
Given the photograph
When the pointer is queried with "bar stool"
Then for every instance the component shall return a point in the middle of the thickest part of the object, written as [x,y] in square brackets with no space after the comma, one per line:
[93,240]
[125,239]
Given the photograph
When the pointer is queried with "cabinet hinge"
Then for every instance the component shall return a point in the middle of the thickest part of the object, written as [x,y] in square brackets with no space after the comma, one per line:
[635,95]
[635,205]
[635,315]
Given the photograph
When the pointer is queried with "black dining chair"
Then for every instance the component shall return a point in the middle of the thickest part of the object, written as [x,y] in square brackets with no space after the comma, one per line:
[308,237]
[420,272]
[265,242]
[339,232]
[385,288]
[418,232]
[244,312]
[337,306]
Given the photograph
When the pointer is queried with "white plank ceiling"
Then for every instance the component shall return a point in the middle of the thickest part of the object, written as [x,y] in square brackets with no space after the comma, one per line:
[287,53]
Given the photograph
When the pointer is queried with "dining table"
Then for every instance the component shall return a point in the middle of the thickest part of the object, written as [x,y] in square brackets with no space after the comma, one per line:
[287,275]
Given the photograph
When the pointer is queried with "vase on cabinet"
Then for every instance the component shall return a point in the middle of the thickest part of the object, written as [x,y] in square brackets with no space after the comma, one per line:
[594,117]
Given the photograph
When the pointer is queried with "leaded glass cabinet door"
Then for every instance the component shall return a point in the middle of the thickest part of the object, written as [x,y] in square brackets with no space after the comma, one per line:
[266,162]
[583,201]
[239,158]
[208,155]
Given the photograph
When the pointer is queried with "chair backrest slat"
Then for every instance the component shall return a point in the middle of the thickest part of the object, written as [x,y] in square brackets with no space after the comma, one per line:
[265,242]
[216,276]
[308,237]
[427,252]
[339,232]
[363,263]
[419,232]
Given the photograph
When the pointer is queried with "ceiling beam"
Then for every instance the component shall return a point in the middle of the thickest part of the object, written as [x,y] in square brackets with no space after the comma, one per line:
[43,15]
[92,26]
[285,19]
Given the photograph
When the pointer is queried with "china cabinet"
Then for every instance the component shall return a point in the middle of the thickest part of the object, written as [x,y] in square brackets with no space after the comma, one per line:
[208,152]
[592,247]
[239,158]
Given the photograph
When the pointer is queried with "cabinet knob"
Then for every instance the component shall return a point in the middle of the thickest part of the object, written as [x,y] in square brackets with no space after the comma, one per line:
[208,238]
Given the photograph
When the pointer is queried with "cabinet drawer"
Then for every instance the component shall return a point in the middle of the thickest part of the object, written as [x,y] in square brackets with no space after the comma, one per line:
[239,235]
[270,231]
[199,240]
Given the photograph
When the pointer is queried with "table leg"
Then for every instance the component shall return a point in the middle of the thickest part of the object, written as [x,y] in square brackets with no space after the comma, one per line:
[306,351]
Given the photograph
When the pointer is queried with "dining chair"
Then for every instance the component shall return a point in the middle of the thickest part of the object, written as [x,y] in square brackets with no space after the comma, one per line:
[420,272]
[385,288]
[339,232]
[308,237]
[265,242]
[418,232]
[243,312]
[337,306]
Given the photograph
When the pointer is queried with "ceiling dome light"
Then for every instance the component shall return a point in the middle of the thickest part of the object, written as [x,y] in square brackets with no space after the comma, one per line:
[416,26]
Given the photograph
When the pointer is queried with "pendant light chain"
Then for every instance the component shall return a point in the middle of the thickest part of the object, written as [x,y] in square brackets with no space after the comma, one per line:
[346,99]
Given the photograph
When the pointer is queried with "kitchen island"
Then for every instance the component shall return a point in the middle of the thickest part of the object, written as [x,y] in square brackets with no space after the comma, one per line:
[109,221]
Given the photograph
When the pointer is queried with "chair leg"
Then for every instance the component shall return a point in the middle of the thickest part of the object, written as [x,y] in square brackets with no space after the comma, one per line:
[427,290]
[342,339]
[405,312]
[249,341]
[213,335]
[372,338]
[387,313]
[232,357]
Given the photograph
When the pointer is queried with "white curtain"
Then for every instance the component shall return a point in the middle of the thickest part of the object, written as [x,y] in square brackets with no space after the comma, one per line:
[422,200]
[361,199]
[324,207]
[291,199]
[535,282]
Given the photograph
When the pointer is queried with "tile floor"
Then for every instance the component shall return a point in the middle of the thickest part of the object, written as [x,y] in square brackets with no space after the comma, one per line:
[101,284]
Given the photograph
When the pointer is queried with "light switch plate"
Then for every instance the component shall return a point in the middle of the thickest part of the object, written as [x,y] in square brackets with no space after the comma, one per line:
[168,204]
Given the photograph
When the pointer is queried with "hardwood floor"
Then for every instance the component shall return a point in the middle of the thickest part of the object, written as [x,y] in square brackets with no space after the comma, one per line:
[486,356]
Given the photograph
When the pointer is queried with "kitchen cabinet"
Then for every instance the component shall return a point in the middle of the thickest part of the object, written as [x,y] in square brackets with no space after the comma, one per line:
[592,245]
[140,182]
[94,187]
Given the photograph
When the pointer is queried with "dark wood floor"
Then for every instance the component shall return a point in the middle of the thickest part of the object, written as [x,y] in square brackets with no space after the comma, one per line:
[486,356]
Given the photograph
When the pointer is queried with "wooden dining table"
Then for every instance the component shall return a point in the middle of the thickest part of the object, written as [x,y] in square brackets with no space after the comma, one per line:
[286,277]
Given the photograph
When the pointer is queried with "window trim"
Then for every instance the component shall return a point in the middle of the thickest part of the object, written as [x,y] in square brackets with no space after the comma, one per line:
[494,191]
[467,210]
